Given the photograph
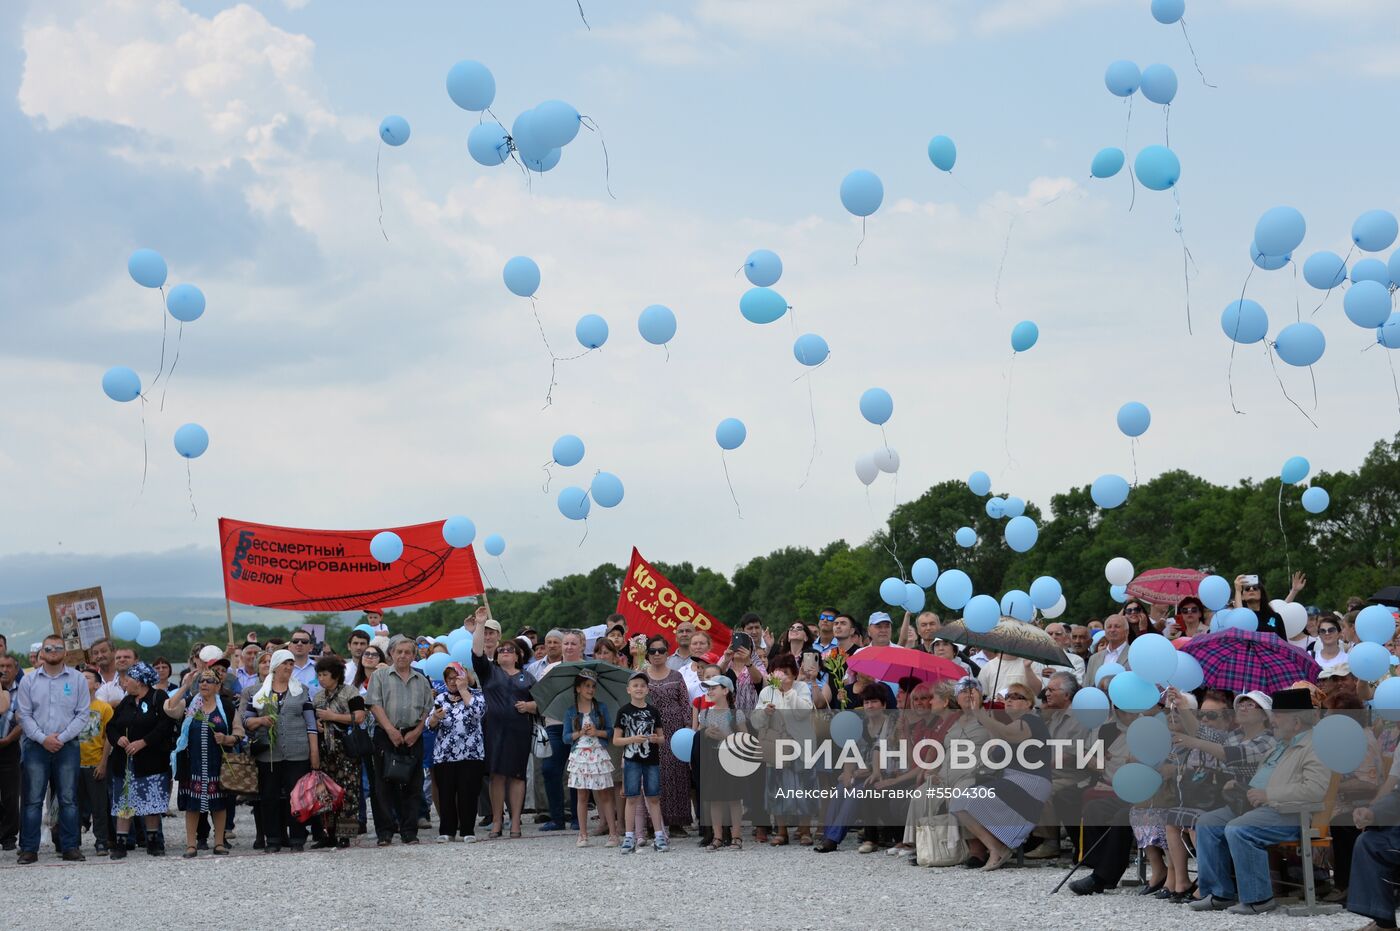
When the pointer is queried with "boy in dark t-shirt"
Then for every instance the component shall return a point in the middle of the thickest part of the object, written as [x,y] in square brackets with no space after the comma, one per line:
[638,732]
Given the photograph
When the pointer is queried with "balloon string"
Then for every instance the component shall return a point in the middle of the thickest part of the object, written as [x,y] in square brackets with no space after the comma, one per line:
[1195,61]
[379,191]
[1269,351]
[548,475]
[862,240]
[1391,359]
[884,439]
[1328,293]
[179,340]
[1167,109]
[1128,125]
[592,126]
[878,537]
[1187,261]
[503,569]
[1132,181]
[553,359]
[585,532]
[145,451]
[1234,340]
[725,463]
[1297,301]
[1005,249]
[1132,446]
[189,485]
[812,409]
[581,16]
[1006,376]
[1287,559]
[164,329]
[667,347]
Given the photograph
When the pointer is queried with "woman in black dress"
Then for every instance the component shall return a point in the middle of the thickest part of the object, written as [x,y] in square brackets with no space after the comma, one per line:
[507,728]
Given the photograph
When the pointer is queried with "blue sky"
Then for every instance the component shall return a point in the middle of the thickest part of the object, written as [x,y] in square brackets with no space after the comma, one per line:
[350,382]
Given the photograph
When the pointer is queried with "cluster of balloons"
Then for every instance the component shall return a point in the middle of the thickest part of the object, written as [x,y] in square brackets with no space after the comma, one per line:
[1315,499]
[127,626]
[574,502]
[537,136]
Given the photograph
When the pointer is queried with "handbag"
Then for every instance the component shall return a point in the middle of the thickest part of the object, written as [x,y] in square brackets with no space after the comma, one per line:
[1203,789]
[539,742]
[239,773]
[938,841]
[356,743]
[315,794]
[398,766]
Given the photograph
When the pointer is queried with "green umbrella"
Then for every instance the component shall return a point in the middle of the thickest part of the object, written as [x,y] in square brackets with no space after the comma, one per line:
[554,693]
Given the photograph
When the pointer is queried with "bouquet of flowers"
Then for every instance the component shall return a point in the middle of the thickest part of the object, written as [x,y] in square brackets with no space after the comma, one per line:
[126,808]
[835,664]
[269,708]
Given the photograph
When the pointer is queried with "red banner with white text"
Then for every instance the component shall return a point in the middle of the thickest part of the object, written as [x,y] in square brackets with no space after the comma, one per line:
[652,605]
[332,570]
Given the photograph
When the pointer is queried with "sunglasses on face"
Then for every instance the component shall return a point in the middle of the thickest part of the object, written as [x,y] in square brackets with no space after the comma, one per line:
[1212,715]
[209,680]
[1133,610]
[657,651]
[1014,697]
[797,629]
[505,649]
[1251,588]
[52,649]
[826,617]
[301,642]
[1189,609]
[1329,630]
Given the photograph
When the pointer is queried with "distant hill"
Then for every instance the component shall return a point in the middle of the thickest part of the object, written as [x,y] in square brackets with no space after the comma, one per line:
[29,622]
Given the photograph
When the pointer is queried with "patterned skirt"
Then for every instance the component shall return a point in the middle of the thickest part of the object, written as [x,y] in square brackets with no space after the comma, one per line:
[1149,827]
[589,766]
[144,795]
[1013,810]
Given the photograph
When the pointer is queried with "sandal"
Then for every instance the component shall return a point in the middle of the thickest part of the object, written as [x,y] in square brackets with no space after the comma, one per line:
[713,845]
[495,835]
[736,844]
[805,839]
[514,834]
[779,839]
[190,853]
[220,850]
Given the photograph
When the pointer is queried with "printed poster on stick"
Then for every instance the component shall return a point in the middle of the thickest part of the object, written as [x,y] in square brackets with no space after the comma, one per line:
[80,618]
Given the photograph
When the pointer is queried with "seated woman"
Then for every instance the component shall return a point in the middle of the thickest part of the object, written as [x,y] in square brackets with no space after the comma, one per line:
[784,710]
[928,719]
[842,809]
[1002,822]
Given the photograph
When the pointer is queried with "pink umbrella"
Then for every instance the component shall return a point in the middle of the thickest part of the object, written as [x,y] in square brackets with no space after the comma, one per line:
[1166,586]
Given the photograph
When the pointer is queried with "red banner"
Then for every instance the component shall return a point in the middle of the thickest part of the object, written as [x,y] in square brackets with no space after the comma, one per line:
[652,605]
[332,570]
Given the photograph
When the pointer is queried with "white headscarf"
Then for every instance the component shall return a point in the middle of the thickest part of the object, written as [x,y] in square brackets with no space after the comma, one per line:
[293,686]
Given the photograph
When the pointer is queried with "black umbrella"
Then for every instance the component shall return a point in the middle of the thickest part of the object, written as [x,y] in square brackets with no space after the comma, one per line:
[1390,595]
[554,693]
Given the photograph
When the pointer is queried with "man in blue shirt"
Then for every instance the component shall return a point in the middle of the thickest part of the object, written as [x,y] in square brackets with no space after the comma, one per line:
[53,709]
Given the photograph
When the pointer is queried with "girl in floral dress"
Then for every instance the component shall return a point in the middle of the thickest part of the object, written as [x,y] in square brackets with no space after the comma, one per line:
[590,767]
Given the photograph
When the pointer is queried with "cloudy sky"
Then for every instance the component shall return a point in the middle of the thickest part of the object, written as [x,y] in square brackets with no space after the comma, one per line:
[350,382]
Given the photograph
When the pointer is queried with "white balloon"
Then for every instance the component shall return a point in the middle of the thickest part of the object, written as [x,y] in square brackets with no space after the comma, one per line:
[1295,618]
[1056,609]
[866,469]
[1118,571]
[886,459]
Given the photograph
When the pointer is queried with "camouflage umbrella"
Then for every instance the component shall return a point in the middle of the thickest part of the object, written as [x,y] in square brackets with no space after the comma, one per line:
[1010,636]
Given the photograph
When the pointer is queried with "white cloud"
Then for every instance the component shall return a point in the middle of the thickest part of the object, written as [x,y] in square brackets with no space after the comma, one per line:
[660,39]
[1013,15]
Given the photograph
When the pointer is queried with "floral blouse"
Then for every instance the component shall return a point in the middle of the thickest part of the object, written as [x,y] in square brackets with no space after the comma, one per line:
[459,731]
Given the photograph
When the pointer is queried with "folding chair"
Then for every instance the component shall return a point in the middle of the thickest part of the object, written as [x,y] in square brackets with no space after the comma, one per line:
[1315,830]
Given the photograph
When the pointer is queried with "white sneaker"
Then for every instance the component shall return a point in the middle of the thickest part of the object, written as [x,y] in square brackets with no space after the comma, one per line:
[469,839]
[443,838]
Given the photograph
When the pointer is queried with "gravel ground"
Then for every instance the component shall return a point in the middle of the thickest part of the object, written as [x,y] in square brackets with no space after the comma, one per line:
[544,881]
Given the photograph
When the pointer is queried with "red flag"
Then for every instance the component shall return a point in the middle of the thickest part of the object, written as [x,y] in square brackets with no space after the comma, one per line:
[652,605]
[332,570]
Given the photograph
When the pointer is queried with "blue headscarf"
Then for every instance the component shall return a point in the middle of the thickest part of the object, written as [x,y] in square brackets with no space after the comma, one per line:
[145,674]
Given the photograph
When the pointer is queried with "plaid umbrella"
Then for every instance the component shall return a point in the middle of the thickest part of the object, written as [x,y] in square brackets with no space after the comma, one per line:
[1166,586]
[1243,660]
[1009,636]
[890,664]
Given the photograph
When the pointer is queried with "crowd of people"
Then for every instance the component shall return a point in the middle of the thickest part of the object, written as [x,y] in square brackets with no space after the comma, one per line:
[106,742]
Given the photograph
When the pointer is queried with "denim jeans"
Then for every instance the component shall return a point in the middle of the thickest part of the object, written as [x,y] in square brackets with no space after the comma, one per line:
[561,803]
[1373,861]
[1232,853]
[40,769]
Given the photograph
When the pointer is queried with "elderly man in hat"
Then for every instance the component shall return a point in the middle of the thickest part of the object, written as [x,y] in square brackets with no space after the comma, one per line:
[1232,852]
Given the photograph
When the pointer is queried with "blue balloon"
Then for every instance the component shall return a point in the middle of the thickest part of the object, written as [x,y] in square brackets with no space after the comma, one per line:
[1188,676]
[606,489]
[435,666]
[1389,334]
[394,130]
[953,588]
[996,508]
[495,544]
[1300,344]
[185,303]
[862,192]
[191,440]
[1340,742]
[810,349]
[1012,506]
[555,123]
[1131,691]
[1107,670]
[544,162]
[1375,624]
[1089,707]
[488,144]
[1153,657]
[966,537]
[1367,303]
[591,331]
[1149,740]
[682,742]
[942,152]
[1244,321]
[1021,533]
[730,434]
[1118,593]
[1159,84]
[1024,335]
[386,546]
[573,503]
[1369,661]
[1294,470]
[1269,263]
[1236,619]
[892,591]
[924,572]
[846,727]
[762,305]
[914,598]
[125,626]
[1134,418]
[148,635]
[1135,783]
[1168,12]
[1392,267]
[657,324]
[522,276]
[1386,702]
[147,268]
[458,532]
[471,86]
[1324,270]
[121,384]
[567,450]
[1280,230]
[1371,270]
[1107,162]
[1158,168]
[1316,499]
[1122,78]
[980,614]
[1109,491]
[1214,592]
[979,483]
[1017,604]
[461,650]
[1375,230]
[876,405]
[527,141]
[763,268]
[1045,591]
[366,628]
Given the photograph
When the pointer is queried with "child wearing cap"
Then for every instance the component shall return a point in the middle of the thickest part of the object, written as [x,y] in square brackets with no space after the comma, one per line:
[638,732]
[590,768]
[721,791]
